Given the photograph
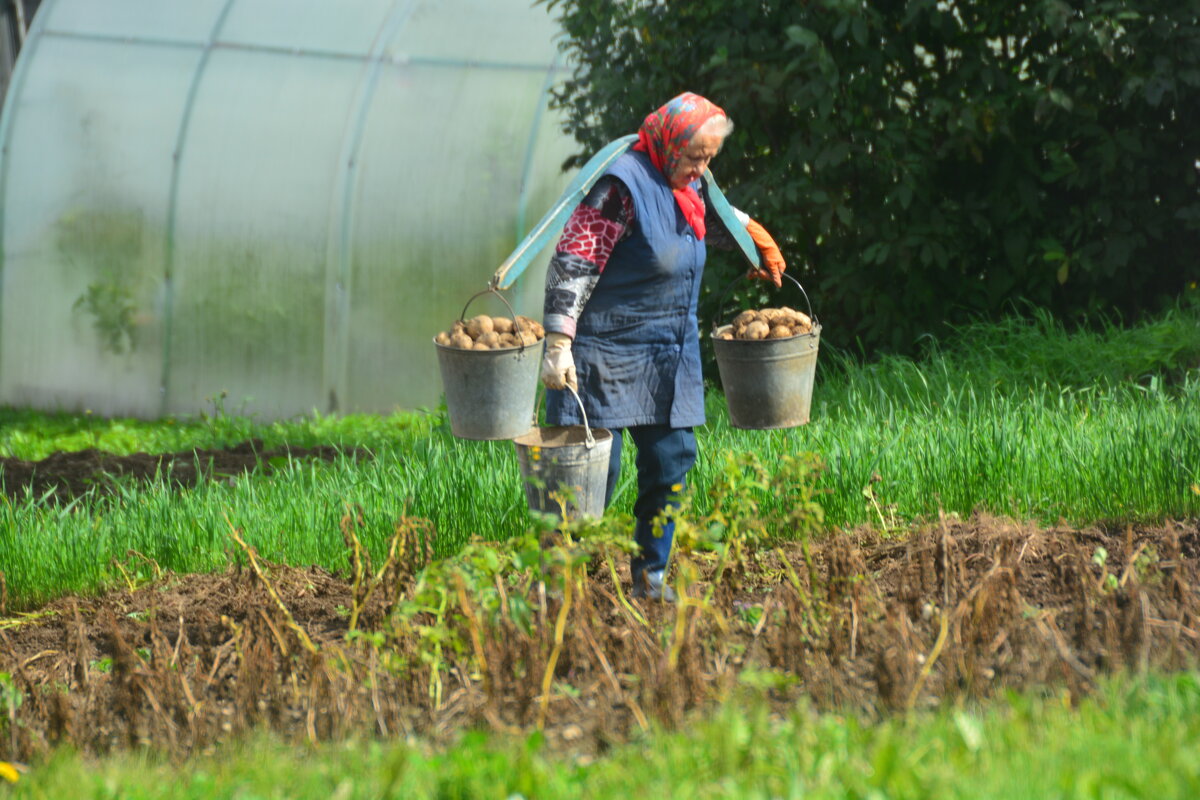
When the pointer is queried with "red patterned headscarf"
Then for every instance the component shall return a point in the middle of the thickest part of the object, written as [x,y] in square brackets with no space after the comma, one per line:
[663,136]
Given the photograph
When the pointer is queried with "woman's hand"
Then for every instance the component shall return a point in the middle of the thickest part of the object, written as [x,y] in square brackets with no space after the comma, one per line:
[773,263]
[558,365]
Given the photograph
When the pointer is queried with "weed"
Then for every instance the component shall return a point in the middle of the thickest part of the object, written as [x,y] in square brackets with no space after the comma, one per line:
[11,698]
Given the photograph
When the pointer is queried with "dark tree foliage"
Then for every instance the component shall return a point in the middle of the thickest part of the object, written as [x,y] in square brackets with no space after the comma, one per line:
[928,161]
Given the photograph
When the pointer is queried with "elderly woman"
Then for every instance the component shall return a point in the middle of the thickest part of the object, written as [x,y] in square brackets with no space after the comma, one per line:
[620,311]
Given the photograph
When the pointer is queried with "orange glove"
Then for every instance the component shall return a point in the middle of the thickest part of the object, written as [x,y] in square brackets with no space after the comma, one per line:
[773,264]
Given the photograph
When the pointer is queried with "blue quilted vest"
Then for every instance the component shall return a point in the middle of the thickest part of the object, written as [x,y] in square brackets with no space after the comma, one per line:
[637,342]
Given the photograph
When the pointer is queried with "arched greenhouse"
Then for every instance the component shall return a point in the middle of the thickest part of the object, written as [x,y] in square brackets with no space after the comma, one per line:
[277,202]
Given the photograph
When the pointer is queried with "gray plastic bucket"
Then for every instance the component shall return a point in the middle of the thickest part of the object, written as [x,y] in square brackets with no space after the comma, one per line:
[490,393]
[768,383]
[568,462]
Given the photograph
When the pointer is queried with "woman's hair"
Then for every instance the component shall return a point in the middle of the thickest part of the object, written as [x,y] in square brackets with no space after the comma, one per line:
[720,125]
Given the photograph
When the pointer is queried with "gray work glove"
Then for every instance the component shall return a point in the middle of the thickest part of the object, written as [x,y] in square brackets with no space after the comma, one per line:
[558,365]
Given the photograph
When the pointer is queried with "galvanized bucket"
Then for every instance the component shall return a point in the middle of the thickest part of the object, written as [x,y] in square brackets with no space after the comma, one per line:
[768,383]
[565,465]
[490,393]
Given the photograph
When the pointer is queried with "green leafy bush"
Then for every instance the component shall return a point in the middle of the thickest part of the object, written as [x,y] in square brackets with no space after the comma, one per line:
[928,162]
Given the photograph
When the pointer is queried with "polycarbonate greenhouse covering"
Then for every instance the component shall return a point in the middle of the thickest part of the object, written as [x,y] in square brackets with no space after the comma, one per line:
[264,206]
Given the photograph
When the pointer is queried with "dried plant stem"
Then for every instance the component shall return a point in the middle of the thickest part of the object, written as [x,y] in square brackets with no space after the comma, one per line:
[476,636]
[435,680]
[612,568]
[25,618]
[158,570]
[814,578]
[301,634]
[560,625]
[356,553]
[1045,625]
[681,615]
[638,715]
[283,650]
[932,658]
[193,705]
[37,656]
[717,575]
[125,575]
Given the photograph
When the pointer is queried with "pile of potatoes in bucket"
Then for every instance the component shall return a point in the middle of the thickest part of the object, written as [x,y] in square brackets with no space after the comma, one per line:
[491,333]
[767,323]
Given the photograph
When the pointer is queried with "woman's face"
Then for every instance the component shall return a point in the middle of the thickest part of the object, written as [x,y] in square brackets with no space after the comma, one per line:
[694,158]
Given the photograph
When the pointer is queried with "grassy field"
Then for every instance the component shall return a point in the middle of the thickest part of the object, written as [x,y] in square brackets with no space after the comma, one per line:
[1021,419]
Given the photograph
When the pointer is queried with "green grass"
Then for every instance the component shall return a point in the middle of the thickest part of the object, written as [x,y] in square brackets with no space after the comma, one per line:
[1135,738]
[993,421]
[1020,417]
[33,435]
[1033,349]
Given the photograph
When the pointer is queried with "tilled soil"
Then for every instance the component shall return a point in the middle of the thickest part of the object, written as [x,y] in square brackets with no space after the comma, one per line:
[960,608]
[65,475]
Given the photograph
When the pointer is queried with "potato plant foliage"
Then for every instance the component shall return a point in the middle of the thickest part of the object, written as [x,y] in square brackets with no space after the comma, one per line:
[927,161]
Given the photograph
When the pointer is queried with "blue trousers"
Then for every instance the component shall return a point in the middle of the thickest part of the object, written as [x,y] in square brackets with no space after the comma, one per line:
[664,456]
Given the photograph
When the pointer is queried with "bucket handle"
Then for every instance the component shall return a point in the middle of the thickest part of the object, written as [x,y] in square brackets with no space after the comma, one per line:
[590,442]
[725,294]
[492,290]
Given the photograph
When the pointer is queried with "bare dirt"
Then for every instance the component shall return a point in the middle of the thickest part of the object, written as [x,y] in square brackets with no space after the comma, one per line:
[958,609]
[65,475]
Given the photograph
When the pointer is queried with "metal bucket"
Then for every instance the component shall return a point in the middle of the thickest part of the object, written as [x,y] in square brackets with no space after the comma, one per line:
[768,383]
[565,464]
[490,393]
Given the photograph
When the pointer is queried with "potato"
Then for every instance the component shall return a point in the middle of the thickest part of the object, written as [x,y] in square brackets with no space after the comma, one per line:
[477,326]
[480,346]
[745,318]
[491,339]
[780,332]
[458,326]
[726,335]
[509,339]
[527,338]
[502,325]
[792,318]
[443,339]
[461,340]
[756,330]
[532,326]
[768,323]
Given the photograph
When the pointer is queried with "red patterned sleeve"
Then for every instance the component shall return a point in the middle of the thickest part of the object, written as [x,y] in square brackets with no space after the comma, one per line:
[594,229]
